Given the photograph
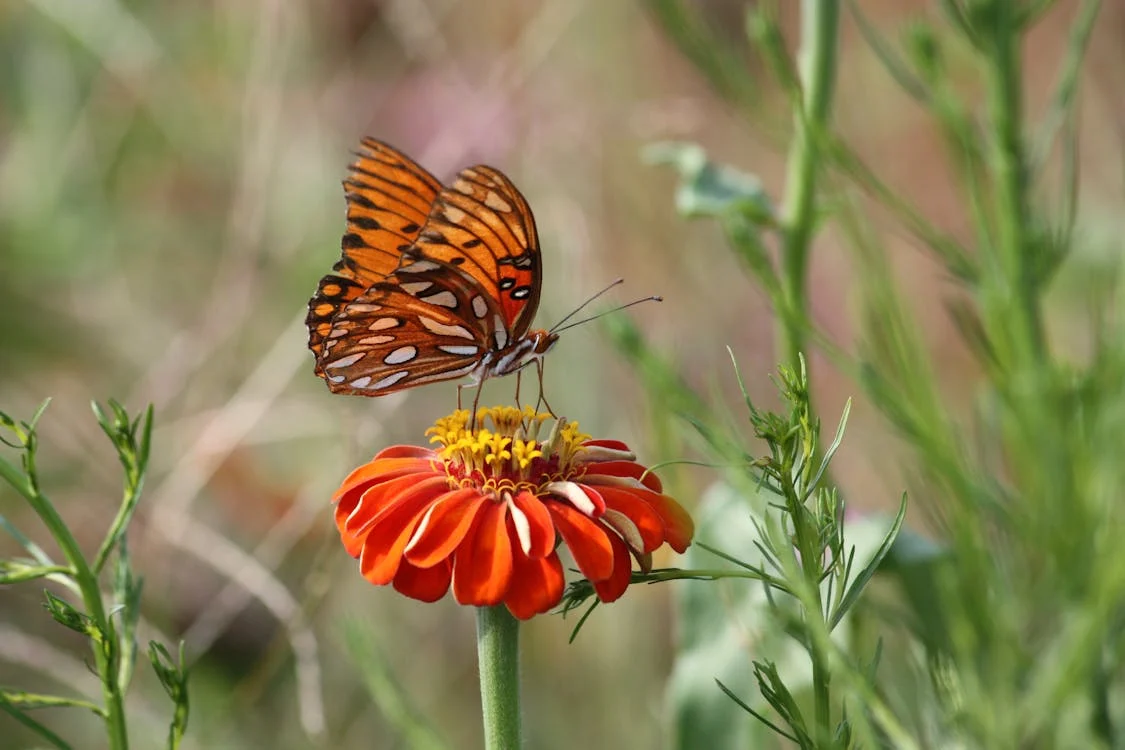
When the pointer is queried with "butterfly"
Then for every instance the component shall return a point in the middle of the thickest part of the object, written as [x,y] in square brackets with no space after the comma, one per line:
[435,282]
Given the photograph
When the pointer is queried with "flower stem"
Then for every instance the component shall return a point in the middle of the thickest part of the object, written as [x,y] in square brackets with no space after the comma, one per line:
[817,68]
[498,657]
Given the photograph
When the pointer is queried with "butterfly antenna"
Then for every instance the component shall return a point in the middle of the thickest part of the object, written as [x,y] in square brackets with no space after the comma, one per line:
[578,309]
[556,329]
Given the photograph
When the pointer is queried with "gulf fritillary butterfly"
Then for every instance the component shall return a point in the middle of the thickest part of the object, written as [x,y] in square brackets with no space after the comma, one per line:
[435,282]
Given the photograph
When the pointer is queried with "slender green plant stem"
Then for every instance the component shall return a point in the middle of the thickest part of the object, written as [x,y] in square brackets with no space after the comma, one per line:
[1017,292]
[92,599]
[805,535]
[498,658]
[816,68]
[816,65]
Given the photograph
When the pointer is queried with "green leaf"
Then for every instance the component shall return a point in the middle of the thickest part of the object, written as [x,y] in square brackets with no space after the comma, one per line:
[127,591]
[25,700]
[860,581]
[831,450]
[710,189]
[15,571]
[39,729]
[65,614]
[173,676]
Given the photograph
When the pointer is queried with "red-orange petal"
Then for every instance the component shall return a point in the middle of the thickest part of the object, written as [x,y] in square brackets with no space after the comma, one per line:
[616,445]
[423,584]
[648,521]
[678,526]
[626,469]
[537,585]
[406,451]
[357,509]
[613,586]
[380,470]
[381,499]
[482,566]
[387,535]
[587,540]
[446,522]
[540,526]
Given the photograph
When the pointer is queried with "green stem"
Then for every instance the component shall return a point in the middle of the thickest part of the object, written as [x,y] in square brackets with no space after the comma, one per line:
[806,538]
[104,653]
[1017,287]
[816,67]
[498,657]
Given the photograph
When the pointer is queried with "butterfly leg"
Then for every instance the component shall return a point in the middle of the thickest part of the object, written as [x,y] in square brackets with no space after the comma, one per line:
[476,400]
[542,396]
[519,375]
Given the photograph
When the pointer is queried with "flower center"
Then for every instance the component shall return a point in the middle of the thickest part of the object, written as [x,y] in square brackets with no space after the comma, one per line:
[521,450]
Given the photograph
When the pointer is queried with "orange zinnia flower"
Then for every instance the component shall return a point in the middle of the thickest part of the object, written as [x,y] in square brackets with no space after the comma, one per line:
[485,511]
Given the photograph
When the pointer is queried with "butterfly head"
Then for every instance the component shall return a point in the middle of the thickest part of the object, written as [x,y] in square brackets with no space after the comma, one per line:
[531,347]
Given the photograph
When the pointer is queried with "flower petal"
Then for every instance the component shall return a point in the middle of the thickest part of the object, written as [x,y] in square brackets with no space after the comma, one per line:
[482,567]
[385,536]
[443,527]
[407,451]
[645,519]
[678,526]
[623,470]
[359,508]
[537,585]
[589,503]
[380,470]
[541,529]
[423,584]
[613,586]
[587,540]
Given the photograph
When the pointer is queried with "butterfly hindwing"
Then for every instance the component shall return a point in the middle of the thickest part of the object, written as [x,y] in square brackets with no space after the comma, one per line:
[389,198]
[430,325]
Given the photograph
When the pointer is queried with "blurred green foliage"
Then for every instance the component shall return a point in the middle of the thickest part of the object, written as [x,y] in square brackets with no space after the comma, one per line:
[169,196]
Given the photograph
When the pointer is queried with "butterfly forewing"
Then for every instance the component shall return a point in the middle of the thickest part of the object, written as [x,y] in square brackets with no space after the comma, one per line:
[482,225]
[389,198]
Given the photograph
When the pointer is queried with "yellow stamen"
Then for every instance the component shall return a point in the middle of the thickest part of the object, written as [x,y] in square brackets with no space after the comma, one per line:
[509,451]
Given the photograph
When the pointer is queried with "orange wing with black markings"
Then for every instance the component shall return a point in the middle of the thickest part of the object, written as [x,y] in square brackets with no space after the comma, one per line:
[483,225]
[389,198]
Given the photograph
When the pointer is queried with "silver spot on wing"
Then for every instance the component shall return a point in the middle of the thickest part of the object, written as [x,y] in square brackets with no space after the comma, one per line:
[401,355]
[376,340]
[347,361]
[414,287]
[443,298]
[419,266]
[381,324]
[442,329]
[464,351]
[389,380]
[480,306]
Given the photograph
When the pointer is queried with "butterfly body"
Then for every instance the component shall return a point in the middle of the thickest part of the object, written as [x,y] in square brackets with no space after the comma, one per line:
[435,283]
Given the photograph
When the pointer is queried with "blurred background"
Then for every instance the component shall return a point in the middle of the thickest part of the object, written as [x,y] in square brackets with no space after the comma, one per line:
[170,195]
